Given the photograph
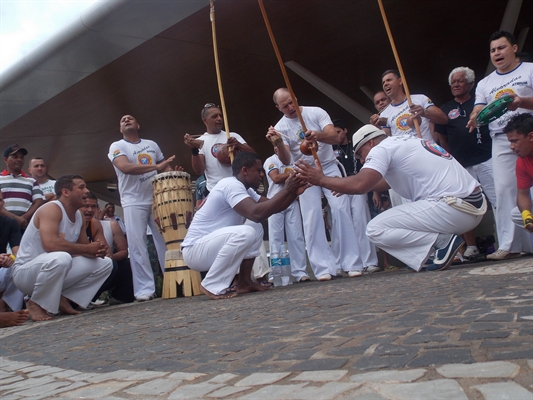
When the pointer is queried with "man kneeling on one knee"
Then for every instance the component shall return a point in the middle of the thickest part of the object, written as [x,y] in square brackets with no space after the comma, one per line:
[220,242]
[446,199]
[55,263]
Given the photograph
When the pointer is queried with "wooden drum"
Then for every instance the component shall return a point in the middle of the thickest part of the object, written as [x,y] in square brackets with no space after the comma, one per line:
[172,207]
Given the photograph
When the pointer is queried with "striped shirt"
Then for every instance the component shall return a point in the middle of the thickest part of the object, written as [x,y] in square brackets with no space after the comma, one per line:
[19,192]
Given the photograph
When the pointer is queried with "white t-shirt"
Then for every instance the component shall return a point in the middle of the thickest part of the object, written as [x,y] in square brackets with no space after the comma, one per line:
[136,189]
[31,245]
[48,186]
[419,169]
[217,212]
[397,115]
[274,163]
[519,81]
[214,170]
[315,119]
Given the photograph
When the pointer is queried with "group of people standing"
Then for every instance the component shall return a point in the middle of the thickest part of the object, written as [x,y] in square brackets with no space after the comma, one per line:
[438,186]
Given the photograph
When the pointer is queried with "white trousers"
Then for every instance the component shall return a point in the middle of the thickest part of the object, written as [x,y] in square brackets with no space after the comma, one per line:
[510,237]
[346,249]
[50,275]
[221,253]
[289,222]
[516,217]
[409,231]
[484,174]
[13,297]
[361,218]
[137,218]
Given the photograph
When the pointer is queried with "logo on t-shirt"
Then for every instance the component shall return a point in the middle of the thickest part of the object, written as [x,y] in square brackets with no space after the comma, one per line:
[288,170]
[116,153]
[271,167]
[435,149]
[454,113]
[144,159]
[401,122]
[301,134]
[503,92]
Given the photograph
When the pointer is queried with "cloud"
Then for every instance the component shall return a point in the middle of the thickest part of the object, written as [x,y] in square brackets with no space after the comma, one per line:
[26,24]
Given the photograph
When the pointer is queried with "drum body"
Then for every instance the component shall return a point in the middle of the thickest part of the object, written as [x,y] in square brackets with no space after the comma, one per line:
[172,206]
[494,110]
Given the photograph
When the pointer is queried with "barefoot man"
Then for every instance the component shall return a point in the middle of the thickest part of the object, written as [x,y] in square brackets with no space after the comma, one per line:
[55,263]
[220,242]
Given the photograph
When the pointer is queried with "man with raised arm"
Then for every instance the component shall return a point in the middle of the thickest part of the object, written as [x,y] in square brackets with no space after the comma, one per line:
[446,200]
[136,162]
[511,78]
[204,159]
[220,241]
[321,130]
[56,264]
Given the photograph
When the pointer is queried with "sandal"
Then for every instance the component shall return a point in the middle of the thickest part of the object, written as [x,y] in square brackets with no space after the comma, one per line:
[391,268]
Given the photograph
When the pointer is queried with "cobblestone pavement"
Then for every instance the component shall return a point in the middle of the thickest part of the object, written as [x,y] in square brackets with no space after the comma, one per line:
[465,333]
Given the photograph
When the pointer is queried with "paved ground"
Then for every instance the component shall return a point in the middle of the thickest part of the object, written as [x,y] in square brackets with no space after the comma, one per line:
[465,333]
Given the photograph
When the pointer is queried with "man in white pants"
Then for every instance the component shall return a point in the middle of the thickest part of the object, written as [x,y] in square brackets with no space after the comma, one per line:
[55,263]
[136,162]
[287,222]
[446,199]
[319,129]
[220,242]
[511,78]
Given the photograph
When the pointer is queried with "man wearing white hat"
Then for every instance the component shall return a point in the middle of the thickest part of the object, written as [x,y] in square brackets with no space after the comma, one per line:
[446,200]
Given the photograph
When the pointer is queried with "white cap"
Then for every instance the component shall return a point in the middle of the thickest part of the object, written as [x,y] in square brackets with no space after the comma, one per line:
[364,134]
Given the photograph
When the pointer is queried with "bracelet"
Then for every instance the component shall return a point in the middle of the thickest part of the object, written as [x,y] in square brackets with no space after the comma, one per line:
[527,218]
[195,151]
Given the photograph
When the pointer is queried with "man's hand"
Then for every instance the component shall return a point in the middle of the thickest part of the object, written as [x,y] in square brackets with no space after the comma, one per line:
[49,196]
[517,101]
[273,135]
[311,136]
[192,142]
[417,110]
[309,174]
[6,260]
[163,165]
[23,223]
[295,184]
[96,249]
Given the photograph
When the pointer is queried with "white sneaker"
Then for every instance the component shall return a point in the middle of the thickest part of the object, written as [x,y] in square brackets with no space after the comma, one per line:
[470,253]
[354,274]
[371,269]
[304,278]
[144,297]
[502,255]
[325,277]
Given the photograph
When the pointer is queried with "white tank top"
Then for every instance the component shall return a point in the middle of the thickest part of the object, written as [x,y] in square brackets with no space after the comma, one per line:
[31,245]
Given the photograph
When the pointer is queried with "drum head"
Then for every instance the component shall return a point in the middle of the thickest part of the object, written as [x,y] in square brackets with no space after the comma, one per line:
[170,175]
[494,110]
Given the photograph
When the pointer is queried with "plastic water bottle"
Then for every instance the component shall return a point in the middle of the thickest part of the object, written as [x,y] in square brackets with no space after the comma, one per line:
[275,266]
[286,276]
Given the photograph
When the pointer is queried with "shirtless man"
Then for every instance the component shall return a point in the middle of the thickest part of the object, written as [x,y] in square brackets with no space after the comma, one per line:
[56,264]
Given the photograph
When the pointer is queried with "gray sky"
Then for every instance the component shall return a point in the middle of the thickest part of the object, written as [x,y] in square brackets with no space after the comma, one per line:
[25,24]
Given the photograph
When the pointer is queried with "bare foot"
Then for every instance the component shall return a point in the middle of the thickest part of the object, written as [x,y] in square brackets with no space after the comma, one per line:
[14,318]
[66,308]
[217,297]
[247,287]
[36,312]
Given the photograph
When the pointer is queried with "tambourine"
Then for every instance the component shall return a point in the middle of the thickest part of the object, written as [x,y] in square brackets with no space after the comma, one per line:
[493,110]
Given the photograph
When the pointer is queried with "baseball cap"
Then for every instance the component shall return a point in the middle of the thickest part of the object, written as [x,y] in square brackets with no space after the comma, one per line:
[364,134]
[14,148]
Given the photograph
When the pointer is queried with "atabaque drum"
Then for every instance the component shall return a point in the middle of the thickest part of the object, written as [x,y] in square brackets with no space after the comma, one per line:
[172,206]
[493,110]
